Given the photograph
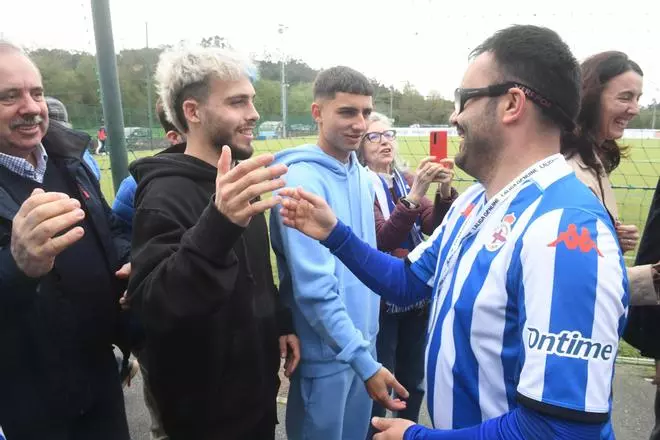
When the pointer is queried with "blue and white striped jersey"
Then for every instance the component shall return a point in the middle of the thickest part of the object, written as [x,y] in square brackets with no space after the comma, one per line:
[530,298]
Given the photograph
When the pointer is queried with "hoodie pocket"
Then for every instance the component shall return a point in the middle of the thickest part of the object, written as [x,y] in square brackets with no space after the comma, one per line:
[327,353]
[363,307]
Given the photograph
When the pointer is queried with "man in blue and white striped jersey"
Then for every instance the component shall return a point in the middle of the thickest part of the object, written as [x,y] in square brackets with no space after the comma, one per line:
[528,282]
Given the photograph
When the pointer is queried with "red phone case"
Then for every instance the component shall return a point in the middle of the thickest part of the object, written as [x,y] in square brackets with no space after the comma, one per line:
[438,140]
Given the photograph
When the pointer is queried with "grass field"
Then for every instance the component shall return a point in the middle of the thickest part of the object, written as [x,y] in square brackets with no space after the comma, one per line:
[634,180]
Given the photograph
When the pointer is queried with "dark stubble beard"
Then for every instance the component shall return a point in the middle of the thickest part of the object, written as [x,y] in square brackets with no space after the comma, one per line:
[480,149]
[220,137]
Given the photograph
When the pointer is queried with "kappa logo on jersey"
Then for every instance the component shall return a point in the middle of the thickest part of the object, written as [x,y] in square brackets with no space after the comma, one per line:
[501,233]
[573,241]
[569,344]
[468,210]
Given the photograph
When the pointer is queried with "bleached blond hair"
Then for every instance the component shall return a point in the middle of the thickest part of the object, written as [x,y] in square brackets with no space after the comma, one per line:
[185,72]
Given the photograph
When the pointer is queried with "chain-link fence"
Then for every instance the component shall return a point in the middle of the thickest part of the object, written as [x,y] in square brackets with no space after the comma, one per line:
[634,181]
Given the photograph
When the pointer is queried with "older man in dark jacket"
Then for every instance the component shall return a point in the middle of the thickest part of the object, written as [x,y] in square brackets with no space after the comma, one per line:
[61,256]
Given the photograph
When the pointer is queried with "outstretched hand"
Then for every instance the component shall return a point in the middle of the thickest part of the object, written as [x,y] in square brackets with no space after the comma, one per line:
[236,188]
[379,386]
[307,212]
[390,429]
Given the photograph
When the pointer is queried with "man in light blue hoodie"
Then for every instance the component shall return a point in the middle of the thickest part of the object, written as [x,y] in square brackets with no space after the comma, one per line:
[335,315]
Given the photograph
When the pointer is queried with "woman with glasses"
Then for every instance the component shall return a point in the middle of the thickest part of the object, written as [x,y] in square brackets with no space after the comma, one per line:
[611,88]
[403,214]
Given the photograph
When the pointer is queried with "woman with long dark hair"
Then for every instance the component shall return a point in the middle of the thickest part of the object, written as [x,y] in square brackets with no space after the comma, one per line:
[611,88]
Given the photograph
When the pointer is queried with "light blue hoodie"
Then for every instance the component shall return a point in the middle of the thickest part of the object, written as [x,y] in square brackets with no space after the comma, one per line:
[335,315]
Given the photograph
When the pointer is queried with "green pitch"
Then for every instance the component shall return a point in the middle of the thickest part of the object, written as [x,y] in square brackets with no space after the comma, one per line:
[634,180]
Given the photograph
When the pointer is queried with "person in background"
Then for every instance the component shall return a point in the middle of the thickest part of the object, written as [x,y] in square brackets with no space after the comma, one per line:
[334,314]
[102,136]
[611,88]
[643,329]
[57,112]
[123,204]
[124,208]
[403,214]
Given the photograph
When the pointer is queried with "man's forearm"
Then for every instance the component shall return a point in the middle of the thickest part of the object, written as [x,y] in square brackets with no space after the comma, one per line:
[520,424]
[387,276]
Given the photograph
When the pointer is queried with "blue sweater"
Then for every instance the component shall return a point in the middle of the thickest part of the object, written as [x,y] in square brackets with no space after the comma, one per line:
[89,160]
[123,204]
[335,315]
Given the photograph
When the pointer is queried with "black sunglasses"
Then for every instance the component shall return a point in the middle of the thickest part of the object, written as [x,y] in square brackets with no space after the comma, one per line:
[376,136]
[461,96]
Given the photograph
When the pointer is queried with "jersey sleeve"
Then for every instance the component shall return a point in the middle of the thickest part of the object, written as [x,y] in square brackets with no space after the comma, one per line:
[429,255]
[573,299]
[424,258]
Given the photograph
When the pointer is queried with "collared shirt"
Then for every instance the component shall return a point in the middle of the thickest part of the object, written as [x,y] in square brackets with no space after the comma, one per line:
[24,168]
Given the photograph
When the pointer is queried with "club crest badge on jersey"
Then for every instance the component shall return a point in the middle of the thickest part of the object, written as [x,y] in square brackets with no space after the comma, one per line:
[501,233]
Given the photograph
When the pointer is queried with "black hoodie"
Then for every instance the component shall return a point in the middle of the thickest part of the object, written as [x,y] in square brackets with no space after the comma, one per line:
[204,289]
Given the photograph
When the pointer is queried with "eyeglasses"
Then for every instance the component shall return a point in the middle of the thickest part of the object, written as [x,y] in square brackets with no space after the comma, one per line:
[461,96]
[376,136]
